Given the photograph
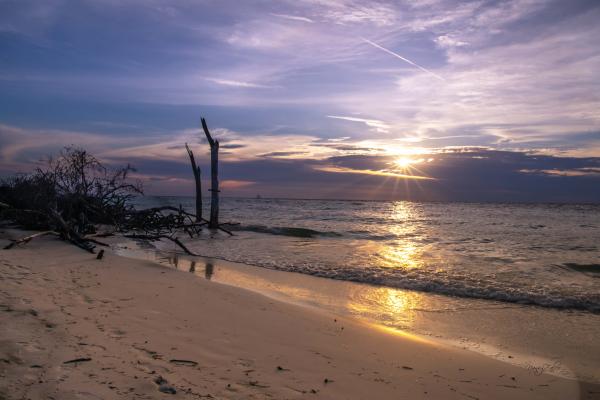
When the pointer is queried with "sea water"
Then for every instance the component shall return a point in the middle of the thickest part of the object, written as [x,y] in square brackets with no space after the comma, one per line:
[540,254]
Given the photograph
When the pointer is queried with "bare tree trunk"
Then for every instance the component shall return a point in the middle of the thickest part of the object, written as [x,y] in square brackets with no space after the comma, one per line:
[214,175]
[196,170]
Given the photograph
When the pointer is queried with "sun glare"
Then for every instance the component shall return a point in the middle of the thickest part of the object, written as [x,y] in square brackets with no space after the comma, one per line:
[404,162]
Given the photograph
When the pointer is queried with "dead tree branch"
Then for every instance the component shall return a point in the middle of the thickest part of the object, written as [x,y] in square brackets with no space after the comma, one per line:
[158,237]
[26,239]
[214,177]
[196,170]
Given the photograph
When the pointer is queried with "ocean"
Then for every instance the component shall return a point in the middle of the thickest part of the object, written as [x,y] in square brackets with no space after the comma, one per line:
[540,254]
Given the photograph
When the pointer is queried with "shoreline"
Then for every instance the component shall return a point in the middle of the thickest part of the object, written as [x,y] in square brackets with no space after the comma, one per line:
[517,334]
[136,320]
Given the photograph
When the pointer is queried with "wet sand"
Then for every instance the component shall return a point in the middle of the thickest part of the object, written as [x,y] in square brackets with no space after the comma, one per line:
[554,341]
[73,327]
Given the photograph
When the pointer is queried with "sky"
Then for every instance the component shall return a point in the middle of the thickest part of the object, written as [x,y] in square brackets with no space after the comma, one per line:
[355,99]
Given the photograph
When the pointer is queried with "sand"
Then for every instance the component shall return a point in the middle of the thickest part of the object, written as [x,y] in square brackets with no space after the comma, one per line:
[134,324]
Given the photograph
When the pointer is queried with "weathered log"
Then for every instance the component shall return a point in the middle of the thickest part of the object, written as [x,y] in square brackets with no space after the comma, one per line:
[196,170]
[158,237]
[68,233]
[26,239]
[87,239]
[214,177]
[165,208]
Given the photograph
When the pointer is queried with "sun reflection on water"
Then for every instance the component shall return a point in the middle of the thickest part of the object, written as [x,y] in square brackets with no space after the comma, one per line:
[404,252]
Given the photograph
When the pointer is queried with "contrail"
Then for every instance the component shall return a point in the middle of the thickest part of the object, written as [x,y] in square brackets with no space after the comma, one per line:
[402,58]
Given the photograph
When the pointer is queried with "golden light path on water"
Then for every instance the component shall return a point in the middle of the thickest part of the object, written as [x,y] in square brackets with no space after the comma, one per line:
[404,252]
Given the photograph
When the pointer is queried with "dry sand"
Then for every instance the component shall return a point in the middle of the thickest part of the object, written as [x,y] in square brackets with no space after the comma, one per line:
[131,320]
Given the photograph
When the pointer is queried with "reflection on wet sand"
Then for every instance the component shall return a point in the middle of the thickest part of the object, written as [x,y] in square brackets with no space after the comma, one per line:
[392,307]
[208,270]
[191,266]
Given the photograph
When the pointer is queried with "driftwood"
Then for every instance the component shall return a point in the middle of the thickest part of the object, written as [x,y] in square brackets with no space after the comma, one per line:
[214,177]
[88,239]
[68,233]
[196,170]
[78,360]
[26,239]
[220,227]
[75,195]
[158,237]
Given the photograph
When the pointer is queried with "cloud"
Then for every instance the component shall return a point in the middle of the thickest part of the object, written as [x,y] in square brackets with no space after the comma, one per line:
[447,41]
[282,154]
[229,82]
[356,12]
[22,149]
[386,173]
[586,171]
[293,17]
[235,184]
[232,146]
[379,126]
[292,167]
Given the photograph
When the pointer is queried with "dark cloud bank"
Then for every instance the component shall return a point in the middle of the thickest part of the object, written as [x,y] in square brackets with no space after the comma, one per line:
[474,175]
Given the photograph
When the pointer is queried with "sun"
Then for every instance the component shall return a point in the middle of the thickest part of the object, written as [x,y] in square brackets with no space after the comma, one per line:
[404,162]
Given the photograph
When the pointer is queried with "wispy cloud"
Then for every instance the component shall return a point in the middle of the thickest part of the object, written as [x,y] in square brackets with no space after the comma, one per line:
[379,126]
[385,173]
[352,12]
[240,84]
[293,17]
[22,148]
[567,172]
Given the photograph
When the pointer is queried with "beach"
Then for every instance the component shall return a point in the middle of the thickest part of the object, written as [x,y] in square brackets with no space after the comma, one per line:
[73,327]
[322,199]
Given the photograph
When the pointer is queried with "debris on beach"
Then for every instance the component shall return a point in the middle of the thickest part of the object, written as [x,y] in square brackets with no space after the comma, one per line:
[256,384]
[188,363]
[163,385]
[78,360]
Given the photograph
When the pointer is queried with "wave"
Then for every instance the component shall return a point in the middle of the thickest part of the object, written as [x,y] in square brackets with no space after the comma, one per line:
[456,286]
[589,269]
[312,233]
[441,282]
[285,231]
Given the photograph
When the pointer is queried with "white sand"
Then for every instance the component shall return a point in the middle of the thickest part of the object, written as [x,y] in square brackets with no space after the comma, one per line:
[132,318]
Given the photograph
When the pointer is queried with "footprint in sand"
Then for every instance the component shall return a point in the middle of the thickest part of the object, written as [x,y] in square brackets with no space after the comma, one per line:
[117,334]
